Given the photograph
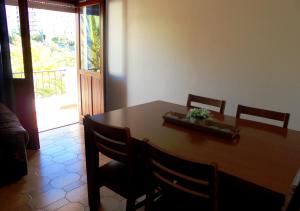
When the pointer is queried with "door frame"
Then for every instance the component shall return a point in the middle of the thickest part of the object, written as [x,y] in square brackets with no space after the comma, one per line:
[24,88]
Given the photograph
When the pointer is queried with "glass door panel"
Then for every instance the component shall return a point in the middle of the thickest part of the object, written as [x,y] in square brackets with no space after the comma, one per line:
[15,41]
[90,39]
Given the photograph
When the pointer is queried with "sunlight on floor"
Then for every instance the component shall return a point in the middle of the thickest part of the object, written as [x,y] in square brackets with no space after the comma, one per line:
[56,111]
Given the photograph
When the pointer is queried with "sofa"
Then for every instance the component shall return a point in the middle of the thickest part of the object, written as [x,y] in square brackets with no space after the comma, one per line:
[13,141]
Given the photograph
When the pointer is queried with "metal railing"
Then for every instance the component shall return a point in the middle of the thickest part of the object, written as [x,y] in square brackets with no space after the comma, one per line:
[47,83]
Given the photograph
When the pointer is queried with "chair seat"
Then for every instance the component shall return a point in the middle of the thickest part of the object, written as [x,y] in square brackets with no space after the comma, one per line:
[173,202]
[114,175]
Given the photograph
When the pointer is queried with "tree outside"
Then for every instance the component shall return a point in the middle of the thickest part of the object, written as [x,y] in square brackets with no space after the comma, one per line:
[90,38]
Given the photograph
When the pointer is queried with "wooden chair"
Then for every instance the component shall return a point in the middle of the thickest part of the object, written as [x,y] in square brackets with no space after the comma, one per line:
[177,184]
[284,117]
[123,174]
[205,100]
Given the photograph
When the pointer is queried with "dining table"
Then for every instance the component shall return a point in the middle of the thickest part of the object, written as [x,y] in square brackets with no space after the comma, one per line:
[256,169]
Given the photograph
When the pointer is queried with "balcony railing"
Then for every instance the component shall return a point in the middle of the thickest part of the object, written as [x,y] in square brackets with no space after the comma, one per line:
[47,83]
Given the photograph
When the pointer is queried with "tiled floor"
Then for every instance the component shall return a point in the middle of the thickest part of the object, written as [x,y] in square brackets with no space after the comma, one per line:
[57,177]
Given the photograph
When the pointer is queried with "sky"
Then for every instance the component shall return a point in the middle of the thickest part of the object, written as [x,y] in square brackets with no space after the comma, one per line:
[51,23]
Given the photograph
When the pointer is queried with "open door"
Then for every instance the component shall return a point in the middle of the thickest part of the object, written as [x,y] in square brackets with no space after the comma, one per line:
[91,54]
[22,68]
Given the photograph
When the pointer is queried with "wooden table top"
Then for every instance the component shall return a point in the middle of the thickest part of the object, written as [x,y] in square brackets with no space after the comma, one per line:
[265,155]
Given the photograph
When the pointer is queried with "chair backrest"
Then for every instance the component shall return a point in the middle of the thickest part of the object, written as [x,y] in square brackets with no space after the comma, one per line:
[294,203]
[112,141]
[207,101]
[284,117]
[183,177]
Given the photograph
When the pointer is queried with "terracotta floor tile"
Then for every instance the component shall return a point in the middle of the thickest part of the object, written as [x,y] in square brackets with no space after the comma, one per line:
[64,180]
[72,161]
[119,197]
[78,195]
[72,207]
[74,185]
[110,204]
[79,140]
[37,192]
[141,209]
[39,160]
[71,145]
[76,167]
[13,200]
[59,153]
[32,182]
[81,156]
[58,174]
[23,207]
[47,198]
[106,192]
[65,157]
[83,178]
[49,150]
[56,205]
[47,142]
[122,204]
[52,169]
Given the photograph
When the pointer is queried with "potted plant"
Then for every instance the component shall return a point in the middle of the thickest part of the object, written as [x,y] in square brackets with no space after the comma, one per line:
[197,113]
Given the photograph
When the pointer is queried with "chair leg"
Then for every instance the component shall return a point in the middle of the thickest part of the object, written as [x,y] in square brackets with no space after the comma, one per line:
[94,199]
[94,204]
[148,203]
[92,165]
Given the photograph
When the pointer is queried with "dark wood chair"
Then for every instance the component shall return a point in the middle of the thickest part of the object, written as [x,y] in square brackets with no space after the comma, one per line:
[207,101]
[284,117]
[123,175]
[177,184]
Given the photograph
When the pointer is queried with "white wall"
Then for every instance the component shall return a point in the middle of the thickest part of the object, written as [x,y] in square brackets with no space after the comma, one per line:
[243,51]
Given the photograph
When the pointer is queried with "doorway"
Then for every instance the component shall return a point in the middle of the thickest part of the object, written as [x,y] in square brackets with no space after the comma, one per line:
[67,45]
[91,19]
[53,47]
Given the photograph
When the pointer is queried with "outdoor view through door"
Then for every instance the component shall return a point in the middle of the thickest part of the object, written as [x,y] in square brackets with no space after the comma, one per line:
[67,46]
[53,39]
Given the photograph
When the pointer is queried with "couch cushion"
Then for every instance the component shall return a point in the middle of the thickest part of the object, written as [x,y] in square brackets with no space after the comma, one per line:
[10,125]
[13,141]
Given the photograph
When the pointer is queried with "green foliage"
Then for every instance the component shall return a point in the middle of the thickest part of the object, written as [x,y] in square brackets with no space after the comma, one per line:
[91,42]
[198,113]
[38,37]
[14,37]
[63,42]
[94,48]
[46,56]
[16,55]
[56,40]
[51,57]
